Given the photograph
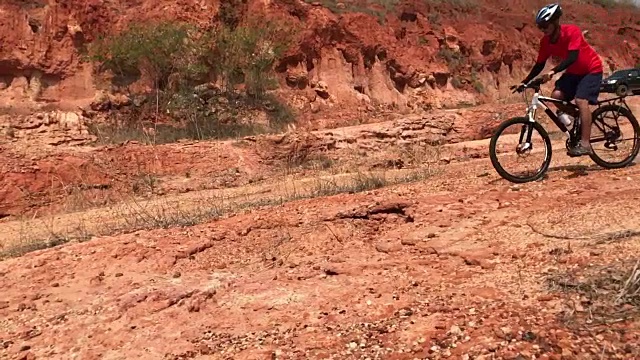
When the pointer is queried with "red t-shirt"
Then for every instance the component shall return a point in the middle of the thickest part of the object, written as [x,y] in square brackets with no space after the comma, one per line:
[571,38]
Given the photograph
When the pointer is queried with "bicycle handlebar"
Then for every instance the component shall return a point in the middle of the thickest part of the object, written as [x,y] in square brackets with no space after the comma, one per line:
[533,84]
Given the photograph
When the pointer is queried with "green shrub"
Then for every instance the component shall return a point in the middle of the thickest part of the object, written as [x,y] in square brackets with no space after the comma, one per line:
[159,49]
[178,57]
[247,54]
[165,50]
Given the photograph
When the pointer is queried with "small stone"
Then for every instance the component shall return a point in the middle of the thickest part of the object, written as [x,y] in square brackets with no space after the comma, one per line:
[388,247]
[529,336]
[408,242]
[455,330]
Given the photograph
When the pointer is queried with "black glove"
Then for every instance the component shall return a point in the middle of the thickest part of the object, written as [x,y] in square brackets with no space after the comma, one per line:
[517,88]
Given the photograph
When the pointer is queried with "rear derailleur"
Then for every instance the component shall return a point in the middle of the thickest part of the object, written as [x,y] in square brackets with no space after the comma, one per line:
[610,138]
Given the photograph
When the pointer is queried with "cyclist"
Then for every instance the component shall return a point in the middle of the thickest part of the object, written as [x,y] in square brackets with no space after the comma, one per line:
[583,66]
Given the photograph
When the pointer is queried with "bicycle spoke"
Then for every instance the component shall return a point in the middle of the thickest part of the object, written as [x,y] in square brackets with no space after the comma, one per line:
[613,136]
[516,156]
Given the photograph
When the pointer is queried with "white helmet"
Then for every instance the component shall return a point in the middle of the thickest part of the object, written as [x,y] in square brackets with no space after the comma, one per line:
[548,14]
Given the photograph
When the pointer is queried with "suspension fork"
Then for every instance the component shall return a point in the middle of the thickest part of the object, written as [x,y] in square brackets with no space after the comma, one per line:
[531,115]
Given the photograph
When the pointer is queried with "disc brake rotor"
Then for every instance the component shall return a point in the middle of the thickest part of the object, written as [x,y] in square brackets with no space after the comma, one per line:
[524,149]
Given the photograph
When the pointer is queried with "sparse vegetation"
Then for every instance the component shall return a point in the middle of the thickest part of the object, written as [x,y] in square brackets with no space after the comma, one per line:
[630,291]
[177,58]
[456,62]
[134,215]
[456,82]
[454,59]
[461,70]
[155,49]
[476,83]
[608,293]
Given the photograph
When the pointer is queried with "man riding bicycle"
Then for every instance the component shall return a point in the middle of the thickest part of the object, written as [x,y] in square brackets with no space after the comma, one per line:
[583,66]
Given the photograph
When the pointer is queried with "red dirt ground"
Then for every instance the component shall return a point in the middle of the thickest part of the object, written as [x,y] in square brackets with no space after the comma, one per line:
[452,265]
[239,249]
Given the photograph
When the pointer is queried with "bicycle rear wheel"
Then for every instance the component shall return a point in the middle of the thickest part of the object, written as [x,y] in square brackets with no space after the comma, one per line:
[517,141]
[607,125]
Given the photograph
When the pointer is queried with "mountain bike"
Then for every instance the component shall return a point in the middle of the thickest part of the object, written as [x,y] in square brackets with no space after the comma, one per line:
[611,133]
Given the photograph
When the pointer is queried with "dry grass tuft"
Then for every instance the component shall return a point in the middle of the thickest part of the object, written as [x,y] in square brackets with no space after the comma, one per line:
[631,289]
[134,214]
[598,295]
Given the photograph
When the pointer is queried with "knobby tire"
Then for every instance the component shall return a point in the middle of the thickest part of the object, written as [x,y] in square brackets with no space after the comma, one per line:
[493,155]
[622,111]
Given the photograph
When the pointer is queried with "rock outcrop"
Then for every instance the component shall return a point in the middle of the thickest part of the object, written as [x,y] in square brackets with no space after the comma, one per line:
[350,59]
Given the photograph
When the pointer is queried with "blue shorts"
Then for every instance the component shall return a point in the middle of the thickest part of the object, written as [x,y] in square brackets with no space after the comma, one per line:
[580,86]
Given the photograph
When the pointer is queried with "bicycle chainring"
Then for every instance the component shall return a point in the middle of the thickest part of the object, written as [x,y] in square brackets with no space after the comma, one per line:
[572,142]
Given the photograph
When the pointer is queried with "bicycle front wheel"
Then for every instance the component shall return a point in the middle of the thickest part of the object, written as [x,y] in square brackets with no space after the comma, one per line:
[521,145]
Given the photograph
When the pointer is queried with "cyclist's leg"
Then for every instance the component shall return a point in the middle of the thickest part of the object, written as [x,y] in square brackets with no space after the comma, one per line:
[586,94]
[565,89]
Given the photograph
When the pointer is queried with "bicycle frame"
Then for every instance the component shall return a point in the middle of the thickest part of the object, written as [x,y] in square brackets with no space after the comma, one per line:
[540,101]
[617,106]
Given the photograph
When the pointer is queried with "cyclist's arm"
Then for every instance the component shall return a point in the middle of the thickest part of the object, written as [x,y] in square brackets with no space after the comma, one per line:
[537,69]
[541,61]
[571,58]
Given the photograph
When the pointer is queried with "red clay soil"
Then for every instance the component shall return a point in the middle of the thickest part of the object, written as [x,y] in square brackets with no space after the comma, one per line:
[69,178]
[462,266]
[46,182]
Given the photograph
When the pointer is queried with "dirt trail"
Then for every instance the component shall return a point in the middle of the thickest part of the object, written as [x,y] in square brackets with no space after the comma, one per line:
[198,206]
[190,208]
[461,264]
